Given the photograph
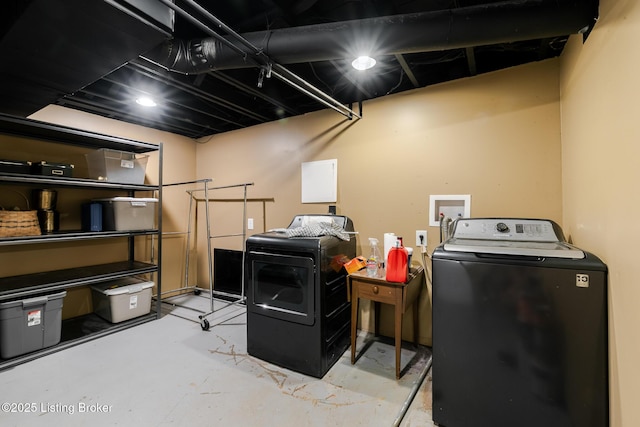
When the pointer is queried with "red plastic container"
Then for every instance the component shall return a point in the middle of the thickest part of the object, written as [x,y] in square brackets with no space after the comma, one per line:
[397,264]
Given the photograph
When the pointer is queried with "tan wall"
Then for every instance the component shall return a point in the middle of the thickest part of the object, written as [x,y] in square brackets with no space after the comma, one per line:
[599,84]
[494,136]
[179,156]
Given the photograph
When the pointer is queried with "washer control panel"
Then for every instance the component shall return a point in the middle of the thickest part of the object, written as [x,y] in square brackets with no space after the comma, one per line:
[514,229]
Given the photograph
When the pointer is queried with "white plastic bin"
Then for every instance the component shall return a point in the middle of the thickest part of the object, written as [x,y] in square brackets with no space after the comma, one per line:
[128,213]
[30,324]
[117,166]
[122,299]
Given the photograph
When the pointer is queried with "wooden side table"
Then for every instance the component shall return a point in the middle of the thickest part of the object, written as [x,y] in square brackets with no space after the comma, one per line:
[377,289]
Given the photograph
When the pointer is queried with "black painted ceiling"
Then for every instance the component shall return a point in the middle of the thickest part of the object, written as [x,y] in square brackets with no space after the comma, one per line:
[91,56]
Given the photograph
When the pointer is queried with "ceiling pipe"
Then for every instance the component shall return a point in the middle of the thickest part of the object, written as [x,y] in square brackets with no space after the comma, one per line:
[253,54]
[500,22]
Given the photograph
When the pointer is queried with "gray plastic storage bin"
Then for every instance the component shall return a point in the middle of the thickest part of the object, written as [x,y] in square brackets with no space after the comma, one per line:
[121,299]
[30,324]
[128,213]
[117,166]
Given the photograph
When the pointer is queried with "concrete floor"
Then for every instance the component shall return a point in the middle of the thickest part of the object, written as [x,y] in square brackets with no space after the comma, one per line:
[170,372]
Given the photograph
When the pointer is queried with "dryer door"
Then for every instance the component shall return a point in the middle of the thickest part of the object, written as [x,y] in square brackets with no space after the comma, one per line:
[281,286]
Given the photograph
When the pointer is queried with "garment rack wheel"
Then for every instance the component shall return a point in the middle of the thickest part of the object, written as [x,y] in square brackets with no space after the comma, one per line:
[204,323]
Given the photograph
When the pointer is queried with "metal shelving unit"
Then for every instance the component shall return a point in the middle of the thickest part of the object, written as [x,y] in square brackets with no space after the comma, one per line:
[87,327]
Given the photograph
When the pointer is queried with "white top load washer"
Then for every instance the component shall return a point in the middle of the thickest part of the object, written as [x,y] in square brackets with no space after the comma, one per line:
[519,327]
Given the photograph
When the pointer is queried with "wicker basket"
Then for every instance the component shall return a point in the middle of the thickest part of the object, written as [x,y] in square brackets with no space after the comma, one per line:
[19,223]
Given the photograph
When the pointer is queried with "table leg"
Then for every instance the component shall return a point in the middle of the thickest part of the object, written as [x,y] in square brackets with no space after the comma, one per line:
[354,320]
[398,336]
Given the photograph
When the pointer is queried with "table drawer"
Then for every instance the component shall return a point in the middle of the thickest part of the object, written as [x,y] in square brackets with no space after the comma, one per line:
[379,293]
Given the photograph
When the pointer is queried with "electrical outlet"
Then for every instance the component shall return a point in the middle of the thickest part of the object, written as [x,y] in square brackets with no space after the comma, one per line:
[421,237]
[250,223]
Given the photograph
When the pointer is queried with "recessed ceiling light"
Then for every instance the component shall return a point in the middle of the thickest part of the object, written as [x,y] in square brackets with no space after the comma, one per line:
[146,101]
[362,63]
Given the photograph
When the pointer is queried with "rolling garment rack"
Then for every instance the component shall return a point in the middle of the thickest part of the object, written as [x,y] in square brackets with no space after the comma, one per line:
[204,323]
[186,286]
[194,200]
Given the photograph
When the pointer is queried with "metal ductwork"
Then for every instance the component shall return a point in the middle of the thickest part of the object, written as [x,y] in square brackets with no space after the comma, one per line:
[502,22]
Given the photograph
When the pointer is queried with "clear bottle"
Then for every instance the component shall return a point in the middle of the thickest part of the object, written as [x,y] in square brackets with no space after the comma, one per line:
[374,258]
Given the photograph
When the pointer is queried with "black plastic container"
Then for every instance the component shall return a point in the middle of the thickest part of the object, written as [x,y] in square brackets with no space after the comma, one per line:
[15,166]
[52,169]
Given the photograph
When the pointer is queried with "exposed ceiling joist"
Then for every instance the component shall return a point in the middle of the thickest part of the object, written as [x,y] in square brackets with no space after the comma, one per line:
[206,74]
[407,70]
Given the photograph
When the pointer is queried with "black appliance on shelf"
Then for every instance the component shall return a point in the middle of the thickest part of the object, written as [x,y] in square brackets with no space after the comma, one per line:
[298,315]
[519,328]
